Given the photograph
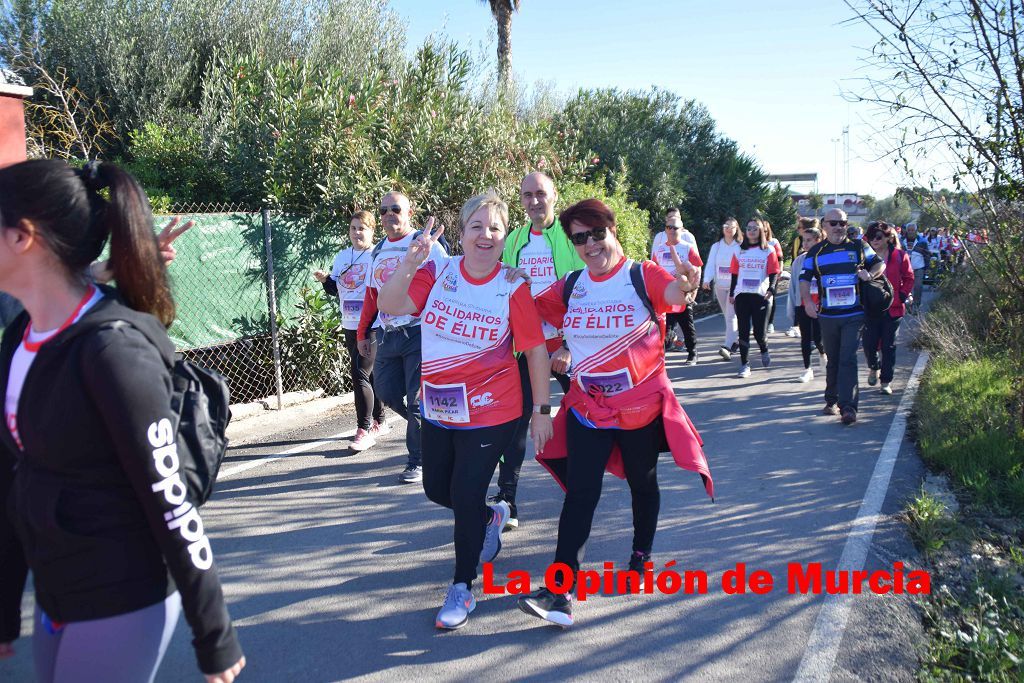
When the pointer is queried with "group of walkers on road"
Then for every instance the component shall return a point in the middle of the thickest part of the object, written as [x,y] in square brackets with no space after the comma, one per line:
[463,347]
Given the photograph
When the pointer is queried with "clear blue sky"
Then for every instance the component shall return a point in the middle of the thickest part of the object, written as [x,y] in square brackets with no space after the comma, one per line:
[771,73]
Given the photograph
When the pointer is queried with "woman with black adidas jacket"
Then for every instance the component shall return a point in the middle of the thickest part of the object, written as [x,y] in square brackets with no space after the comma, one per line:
[89,473]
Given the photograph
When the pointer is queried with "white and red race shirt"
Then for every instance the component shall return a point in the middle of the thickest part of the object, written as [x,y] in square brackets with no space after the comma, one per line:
[720,260]
[350,271]
[385,263]
[663,257]
[469,377]
[752,268]
[537,260]
[615,345]
[25,354]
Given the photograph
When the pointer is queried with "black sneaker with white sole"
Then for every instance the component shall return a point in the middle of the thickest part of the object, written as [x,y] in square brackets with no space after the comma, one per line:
[548,606]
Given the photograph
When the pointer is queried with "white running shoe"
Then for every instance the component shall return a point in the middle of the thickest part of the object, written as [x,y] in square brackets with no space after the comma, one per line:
[364,440]
[458,603]
[886,389]
[806,377]
[380,429]
[500,514]
[771,329]
[822,363]
[744,371]
[793,332]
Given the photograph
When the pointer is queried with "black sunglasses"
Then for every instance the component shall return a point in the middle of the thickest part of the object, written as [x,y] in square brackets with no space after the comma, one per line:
[394,208]
[580,238]
[671,227]
[836,224]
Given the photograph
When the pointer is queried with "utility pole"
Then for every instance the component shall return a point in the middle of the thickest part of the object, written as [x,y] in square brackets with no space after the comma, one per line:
[835,170]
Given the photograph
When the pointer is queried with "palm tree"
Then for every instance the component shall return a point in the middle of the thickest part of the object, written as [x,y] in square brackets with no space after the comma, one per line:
[502,11]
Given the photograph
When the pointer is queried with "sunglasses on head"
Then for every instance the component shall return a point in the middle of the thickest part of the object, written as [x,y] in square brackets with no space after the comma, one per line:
[394,208]
[836,224]
[580,238]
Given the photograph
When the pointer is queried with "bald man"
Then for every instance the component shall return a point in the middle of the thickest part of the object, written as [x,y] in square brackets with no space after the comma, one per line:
[543,251]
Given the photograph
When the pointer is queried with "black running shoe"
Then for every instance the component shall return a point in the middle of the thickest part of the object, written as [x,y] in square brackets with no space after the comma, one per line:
[548,606]
[637,561]
[513,520]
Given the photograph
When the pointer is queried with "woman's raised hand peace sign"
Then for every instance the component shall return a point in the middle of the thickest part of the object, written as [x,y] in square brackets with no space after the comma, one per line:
[420,248]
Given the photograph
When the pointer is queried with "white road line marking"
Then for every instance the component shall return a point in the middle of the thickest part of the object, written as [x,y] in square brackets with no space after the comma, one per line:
[291,451]
[823,646]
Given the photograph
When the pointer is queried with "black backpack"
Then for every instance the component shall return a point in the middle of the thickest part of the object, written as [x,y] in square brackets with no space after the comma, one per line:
[636,276]
[200,401]
[876,294]
[200,405]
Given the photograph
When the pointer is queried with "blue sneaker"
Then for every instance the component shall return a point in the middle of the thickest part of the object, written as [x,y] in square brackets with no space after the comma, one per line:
[458,603]
[500,513]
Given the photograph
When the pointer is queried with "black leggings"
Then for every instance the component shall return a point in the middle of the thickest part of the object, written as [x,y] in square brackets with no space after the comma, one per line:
[751,309]
[810,333]
[685,322]
[589,450]
[457,469]
[771,311]
[512,461]
[361,371]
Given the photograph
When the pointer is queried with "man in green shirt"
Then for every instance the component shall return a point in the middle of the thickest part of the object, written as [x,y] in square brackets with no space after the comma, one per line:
[542,250]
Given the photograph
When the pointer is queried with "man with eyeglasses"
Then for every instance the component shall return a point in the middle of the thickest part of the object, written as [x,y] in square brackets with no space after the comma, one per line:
[543,252]
[839,264]
[396,369]
[686,247]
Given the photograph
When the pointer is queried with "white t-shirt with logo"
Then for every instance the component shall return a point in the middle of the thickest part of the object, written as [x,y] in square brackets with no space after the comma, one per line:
[720,263]
[350,271]
[385,263]
[752,268]
[539,263]
[22,361]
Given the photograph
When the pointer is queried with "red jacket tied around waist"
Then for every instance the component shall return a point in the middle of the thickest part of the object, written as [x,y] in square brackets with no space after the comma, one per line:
[681,437]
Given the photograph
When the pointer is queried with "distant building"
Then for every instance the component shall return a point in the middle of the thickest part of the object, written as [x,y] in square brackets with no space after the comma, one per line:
[851,203]
[12,118]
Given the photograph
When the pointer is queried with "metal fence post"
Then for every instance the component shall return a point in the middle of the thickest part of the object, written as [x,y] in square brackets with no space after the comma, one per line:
[272,302]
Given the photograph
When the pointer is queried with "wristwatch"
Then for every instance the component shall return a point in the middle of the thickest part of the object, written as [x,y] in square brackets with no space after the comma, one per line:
[542,410]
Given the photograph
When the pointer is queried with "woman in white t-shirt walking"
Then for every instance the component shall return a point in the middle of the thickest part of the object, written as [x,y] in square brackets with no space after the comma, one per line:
[752,286]
[347,281]
[719,271]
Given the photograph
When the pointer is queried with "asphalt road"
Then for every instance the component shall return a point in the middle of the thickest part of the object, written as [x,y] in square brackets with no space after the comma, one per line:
[334,570]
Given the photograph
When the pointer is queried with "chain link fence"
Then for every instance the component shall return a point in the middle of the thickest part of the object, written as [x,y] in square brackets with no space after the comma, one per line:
[248,306]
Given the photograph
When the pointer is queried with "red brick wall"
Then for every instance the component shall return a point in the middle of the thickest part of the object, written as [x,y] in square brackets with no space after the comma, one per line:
[12,130]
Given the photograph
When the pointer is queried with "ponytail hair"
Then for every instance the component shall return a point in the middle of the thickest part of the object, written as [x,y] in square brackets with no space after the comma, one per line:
[74,219]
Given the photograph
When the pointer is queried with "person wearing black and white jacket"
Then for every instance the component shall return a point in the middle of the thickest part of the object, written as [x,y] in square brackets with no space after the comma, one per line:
[89,472]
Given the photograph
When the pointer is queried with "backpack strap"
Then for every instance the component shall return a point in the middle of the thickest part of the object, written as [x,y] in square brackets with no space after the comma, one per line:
[636,275]
[570,283]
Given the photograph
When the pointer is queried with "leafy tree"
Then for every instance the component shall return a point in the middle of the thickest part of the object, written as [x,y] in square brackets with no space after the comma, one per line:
[894,210]
[631,221]
[816,202]
[673,152]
